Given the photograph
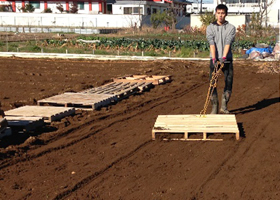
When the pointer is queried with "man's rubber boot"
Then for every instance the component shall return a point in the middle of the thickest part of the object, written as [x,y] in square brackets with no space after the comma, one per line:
[225,100]
[215,104]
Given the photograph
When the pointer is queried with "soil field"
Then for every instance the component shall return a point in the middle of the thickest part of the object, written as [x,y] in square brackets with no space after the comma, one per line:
[109,154]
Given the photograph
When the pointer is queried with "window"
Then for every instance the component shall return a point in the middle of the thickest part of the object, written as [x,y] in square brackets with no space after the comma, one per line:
[81,5]
[35,4]
[154,10]
[137,10]
[132,10]
[149,11]
[109,9]
[127,10]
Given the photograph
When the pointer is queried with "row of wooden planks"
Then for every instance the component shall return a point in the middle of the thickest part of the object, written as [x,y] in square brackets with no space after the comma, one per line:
[28,118]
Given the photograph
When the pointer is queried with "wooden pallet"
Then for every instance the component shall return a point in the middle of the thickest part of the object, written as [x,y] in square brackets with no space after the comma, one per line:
[188,124]
[120,89]
[79,100]
[24,123]
[48,113]
[156,80]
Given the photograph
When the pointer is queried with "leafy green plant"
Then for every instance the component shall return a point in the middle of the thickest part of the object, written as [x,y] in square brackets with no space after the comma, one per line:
[48,10]
[4,8]
[160,18]
[28,8]
[207,18]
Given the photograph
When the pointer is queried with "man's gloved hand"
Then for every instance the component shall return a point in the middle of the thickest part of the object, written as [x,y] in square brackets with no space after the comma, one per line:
[214,61]
[222,60]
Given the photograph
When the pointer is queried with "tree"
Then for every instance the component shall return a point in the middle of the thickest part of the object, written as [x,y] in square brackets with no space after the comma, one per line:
[171,13]
[161,18]
[157,19]
[207,18]
[5,8]
[47,10]
[264,6]
[28,8]
[74,8]
[59,7]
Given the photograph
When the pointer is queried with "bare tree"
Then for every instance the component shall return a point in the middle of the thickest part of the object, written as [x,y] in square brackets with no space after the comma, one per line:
[59,7]
[74,8]
[264,6]
[173,15]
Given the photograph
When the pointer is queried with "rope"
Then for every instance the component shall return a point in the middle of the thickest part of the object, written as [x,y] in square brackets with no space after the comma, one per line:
[213,85]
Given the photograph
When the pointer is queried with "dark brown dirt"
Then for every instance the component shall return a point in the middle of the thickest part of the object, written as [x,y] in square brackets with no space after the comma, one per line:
[109,154]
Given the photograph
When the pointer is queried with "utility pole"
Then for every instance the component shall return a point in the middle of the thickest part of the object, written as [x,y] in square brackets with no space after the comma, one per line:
[265,13]
[173,15]
[200,7]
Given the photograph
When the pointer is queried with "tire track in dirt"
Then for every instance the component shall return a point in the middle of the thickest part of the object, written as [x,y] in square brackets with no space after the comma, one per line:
[230,156]
[217,170]
[157,102]
[92,177]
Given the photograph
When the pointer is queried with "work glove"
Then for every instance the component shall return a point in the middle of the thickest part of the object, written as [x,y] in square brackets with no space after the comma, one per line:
[214,61]
[222,60]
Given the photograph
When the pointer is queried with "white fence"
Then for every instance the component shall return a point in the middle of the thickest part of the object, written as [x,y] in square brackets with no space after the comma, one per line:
[84,23]
[69,20]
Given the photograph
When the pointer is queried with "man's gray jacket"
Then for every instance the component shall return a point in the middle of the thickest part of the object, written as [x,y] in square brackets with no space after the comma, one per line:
[220,35]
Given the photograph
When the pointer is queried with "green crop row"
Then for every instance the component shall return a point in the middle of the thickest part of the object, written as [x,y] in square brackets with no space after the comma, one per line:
[144,44]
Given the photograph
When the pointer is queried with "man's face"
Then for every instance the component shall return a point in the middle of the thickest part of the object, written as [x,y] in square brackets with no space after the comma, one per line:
[221,16]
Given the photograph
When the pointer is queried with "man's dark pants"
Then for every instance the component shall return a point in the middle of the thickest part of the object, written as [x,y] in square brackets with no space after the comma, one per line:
[228,75]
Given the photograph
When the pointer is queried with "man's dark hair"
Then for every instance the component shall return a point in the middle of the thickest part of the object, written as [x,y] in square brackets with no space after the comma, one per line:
[222,7]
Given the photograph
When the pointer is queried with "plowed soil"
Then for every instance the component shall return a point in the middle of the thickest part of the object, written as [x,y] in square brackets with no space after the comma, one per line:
[109,154]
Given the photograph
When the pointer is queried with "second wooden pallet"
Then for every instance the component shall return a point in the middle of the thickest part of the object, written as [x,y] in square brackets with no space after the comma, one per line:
[48,113]
[79,100]
[188,124]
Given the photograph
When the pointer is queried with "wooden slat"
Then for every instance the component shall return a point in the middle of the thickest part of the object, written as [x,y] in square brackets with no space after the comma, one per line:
[155,79]
[24,123]
[48,113]
[79,100]
[120,88]
[195,124]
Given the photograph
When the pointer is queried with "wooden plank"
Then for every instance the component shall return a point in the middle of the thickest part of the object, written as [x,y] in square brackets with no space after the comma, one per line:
[116,88]
[183,139]
[24,123]
[155,79]
[120,89]
[48,113]
[77,100]
[196,124]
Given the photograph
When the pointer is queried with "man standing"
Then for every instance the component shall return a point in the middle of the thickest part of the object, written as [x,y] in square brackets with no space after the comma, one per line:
[220,35]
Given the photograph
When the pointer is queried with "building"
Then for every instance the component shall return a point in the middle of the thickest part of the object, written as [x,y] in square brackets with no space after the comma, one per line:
[149,7]
[272,15]
[102,6]
[243,7]
[84,7]
[195,8]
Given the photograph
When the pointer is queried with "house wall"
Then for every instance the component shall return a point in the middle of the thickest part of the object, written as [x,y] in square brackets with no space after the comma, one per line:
[52,5]
[182,22]
[236,20]
[119,9]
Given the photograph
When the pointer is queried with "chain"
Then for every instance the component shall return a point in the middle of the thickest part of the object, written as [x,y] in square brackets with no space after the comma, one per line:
[213,85]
